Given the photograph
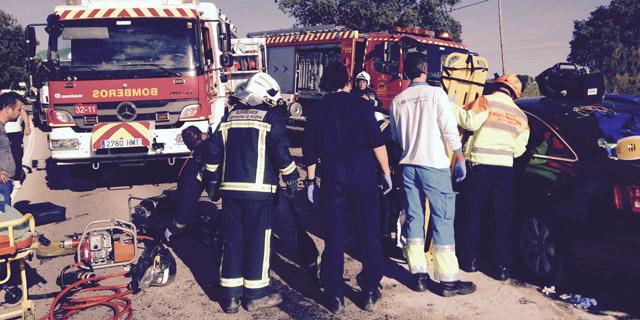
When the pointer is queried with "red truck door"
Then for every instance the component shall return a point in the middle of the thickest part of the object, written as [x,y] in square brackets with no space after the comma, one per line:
[384,63]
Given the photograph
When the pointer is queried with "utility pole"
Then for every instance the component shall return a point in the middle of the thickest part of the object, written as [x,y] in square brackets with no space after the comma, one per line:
[501,37]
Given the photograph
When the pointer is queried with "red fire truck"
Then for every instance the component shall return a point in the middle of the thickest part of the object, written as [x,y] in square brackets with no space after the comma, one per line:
[298,56]
[124,78]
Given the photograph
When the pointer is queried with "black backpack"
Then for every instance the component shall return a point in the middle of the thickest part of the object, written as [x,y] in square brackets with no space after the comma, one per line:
[567,81]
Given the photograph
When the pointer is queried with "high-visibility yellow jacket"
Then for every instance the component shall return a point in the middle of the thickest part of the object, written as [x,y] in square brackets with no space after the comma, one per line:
[500,129]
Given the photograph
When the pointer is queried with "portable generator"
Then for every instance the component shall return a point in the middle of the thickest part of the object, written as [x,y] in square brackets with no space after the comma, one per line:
[107,243]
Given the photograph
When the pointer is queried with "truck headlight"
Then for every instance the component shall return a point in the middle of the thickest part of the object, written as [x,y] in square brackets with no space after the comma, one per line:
[189,112]
[63,117]
[64,144]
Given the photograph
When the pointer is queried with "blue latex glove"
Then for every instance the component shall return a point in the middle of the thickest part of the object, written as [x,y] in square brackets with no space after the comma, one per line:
[388,184]
[459,171]
[313,192]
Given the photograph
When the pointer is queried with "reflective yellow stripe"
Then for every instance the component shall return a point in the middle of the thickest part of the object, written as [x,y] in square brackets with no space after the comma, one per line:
[245,186]
[245,124]
[230,283]
[199,177]
[211,167]
[384,124]
[262,149]
[225,135]
[256,284]
[289,169]
[267,251]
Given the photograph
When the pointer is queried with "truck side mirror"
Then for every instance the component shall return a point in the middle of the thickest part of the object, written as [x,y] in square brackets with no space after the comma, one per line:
[30,37]
[226,60]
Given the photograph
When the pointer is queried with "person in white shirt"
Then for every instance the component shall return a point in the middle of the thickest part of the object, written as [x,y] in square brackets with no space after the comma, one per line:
[422,123]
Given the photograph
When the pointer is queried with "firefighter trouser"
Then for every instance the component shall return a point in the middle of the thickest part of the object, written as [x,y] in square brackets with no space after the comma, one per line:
[435,184]
[245,258]
[495,182]
[292,239]
[349,193]
[190,189]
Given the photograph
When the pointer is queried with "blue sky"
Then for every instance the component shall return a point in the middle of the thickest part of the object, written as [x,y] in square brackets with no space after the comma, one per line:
[536,32]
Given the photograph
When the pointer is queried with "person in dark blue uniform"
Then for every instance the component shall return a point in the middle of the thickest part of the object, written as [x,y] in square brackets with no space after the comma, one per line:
[343,134]
[251,148]
[190,181]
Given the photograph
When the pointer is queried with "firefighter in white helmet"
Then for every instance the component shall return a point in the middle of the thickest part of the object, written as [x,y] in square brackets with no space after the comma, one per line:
[252,141]
[363,89]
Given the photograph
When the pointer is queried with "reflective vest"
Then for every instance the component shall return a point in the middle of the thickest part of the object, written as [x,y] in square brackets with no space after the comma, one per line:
[500,129]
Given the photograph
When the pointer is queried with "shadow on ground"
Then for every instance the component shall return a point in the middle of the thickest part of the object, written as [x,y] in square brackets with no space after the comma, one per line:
[81,178]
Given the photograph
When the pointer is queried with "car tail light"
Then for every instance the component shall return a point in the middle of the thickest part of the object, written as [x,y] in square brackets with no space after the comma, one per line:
[627,197]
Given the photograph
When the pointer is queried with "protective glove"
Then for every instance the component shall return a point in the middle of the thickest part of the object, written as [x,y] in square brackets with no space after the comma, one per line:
[459,170]
[313,192]
[291,182]
[387,184]
[172,231]
[212,190]
[212,179]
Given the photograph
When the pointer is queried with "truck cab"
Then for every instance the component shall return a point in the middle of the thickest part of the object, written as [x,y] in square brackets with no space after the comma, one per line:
[125,78]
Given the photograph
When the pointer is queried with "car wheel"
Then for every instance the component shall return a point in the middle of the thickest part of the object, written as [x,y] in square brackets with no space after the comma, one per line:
[539,250]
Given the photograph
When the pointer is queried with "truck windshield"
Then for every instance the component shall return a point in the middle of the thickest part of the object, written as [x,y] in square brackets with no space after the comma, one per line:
[435,56]
[111,48]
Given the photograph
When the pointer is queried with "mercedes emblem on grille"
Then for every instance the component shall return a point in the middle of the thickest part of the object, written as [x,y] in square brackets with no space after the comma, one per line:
[126,111]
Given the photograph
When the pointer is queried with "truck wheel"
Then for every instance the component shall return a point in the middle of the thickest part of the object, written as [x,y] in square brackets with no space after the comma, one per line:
[295,109]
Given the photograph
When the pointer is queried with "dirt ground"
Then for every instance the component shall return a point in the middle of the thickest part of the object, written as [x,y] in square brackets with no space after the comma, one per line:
[193,296]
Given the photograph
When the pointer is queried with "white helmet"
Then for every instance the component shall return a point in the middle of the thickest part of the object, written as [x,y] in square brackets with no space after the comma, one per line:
[260,88]
[364,76]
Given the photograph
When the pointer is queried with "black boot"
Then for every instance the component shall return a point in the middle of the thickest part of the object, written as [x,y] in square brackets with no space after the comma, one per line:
[469,265]
[421,281]
[267,301]
[230,305]
[312,272]
[450,289]
[335,305]
[502,273]
[371,298]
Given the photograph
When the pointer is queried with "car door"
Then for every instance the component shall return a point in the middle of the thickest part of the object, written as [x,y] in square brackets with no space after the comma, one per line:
[545,174]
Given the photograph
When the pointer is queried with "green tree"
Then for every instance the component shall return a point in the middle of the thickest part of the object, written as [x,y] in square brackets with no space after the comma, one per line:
[375,15]
[12,51]
[609,42]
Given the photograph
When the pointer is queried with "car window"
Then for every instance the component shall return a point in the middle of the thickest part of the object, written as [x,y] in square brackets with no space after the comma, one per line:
[545,142]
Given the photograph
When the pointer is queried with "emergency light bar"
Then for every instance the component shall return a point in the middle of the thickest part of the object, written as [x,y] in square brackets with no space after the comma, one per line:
[415,31]
[166,2]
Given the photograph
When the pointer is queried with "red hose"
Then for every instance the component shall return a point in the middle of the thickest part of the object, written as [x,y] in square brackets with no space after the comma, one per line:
[141,237]
[117,301]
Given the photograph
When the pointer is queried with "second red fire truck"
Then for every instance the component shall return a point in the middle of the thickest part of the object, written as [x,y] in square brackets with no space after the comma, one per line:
[298,56]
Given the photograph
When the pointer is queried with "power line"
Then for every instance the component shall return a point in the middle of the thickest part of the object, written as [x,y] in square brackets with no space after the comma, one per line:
[468,5]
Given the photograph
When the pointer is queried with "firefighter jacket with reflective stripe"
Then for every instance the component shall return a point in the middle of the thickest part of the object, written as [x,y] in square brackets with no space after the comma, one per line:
[252,148]
[500,129]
